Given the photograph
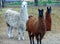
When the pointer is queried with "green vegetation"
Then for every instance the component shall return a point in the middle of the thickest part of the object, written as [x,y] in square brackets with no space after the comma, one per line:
[40,2]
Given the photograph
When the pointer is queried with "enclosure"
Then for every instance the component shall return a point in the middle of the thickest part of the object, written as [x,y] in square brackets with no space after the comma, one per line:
[51,37]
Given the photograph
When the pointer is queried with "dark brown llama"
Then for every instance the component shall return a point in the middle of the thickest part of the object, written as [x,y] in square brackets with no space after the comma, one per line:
[36,27]
[48,20]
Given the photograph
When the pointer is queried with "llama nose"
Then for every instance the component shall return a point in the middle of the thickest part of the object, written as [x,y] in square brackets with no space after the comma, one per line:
[24,5]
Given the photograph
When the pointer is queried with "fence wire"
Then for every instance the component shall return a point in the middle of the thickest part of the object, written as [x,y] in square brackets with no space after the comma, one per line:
[40,3]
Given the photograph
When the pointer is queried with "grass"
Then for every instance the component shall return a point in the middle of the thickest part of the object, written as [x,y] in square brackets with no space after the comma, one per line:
[34,11]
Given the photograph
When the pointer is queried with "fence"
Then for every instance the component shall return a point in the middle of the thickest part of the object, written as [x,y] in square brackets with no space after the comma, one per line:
[50,2]
[40,3]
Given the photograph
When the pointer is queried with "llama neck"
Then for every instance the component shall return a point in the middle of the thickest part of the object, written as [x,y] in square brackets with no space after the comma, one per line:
[41,24]
[24,14]
[24,11]
[40,20]
[47,14]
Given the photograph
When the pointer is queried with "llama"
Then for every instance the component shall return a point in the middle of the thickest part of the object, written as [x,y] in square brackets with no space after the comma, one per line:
[48,19]
[36,27]
[17,20]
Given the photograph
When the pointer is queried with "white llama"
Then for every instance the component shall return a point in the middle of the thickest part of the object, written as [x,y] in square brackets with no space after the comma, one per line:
[17,20]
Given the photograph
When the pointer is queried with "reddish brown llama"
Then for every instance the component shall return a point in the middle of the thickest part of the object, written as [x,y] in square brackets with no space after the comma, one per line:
[48,19]
[36,27]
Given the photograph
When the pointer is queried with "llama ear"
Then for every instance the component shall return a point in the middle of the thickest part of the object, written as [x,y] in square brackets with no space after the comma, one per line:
[42,10]
[47,8]
[38,9]
[50,7]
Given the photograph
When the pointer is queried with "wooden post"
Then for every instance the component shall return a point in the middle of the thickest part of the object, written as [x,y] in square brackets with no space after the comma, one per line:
[1,5]
[3,1]
[36,2]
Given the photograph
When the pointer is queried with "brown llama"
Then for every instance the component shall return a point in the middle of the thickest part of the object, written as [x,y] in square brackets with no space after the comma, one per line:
[36,27]
[48,19]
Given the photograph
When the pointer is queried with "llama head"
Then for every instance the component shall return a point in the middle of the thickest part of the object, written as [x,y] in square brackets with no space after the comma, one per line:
[24,5]
[40,12]
[49,10]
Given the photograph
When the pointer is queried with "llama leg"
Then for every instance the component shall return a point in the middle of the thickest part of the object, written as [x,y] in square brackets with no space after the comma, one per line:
[23,29]
[38,39]
[19,32]
[42,35]
[10,35]
[31,37]
[22,35]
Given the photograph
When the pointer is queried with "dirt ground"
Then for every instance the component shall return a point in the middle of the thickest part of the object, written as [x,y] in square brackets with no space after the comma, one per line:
[51,37]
